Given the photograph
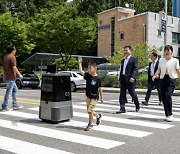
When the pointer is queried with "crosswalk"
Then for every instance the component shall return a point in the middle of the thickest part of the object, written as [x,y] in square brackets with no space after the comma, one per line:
[148,120]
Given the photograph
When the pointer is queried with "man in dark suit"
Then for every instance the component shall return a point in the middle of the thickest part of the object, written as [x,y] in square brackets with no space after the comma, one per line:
[153,66]
[127,79]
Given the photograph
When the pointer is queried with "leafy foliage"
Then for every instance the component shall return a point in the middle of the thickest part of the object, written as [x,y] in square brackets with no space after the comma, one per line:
[13,31]
[61,63]
[60,31]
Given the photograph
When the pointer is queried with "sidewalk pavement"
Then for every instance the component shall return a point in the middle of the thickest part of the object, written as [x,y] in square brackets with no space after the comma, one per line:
[138,91]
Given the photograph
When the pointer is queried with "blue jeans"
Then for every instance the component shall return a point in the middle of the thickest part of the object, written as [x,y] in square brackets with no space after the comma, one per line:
[11,89]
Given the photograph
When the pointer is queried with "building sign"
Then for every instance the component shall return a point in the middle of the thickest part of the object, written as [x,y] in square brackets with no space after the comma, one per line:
[104,27]
[162,21]
[164,26]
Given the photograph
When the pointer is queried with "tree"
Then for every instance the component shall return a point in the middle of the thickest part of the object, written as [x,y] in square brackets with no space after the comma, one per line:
[141,6]
[61,63]
[90,8]
[13,31]
[61,31]
[25,9]
[3,8]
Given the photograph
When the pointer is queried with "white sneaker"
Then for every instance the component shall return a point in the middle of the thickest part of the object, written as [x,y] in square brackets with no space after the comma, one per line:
[7,109]
[17,107]
[169,118]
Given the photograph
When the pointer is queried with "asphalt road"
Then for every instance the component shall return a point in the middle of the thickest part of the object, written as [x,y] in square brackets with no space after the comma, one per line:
[144,132]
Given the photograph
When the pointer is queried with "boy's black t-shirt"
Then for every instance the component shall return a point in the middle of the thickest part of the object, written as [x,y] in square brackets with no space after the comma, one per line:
[92,86]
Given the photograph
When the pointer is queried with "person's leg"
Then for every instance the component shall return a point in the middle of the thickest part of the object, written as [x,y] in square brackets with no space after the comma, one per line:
[163,87]
[148,93]
[8,92]
[122,97]
[126,100]
[95,114]
[91,117]
[157,84]
[169,93]
[14,93]
[91,103]
[131,90]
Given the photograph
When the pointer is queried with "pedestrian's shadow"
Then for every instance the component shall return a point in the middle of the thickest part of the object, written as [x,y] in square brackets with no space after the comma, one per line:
[30,121]
[71,127]
[49,123]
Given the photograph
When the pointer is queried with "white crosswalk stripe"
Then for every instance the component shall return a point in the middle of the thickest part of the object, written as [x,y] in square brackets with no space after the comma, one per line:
[127,113]
[123,120]
[131,107]
[103,128]
[139,119]
[22,147]
[62,135]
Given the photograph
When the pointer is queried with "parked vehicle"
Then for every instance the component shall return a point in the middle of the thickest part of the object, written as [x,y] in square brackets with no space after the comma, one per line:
[110,69]
[77,80]
[29,80]
[143,70]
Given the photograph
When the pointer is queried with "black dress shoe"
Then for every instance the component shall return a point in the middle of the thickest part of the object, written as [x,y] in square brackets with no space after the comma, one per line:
[121,111]
[144,102]
[137,108]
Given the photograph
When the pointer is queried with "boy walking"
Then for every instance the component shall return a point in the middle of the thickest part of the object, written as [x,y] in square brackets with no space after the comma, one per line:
[93,89]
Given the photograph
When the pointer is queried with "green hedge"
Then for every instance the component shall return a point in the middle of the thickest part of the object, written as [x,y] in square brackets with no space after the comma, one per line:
[142,81]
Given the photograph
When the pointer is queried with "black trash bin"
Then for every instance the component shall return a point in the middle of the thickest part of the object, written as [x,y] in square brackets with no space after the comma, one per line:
[55,104]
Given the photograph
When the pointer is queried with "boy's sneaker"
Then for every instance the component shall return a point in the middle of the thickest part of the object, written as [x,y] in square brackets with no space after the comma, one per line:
[89,127]
[98,121]
[6,109]
[17,107]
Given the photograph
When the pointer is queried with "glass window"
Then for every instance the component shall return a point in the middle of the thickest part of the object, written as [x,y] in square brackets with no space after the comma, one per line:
[173,37]
[179,38]
[74,75]
[176,38]
[122,36]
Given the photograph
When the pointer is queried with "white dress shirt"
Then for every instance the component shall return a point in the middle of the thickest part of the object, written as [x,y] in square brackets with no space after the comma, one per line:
[153,64]
[125,64]
[169,67]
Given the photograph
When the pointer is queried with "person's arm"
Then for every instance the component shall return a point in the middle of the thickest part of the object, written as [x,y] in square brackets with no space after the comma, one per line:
[80,66]
[178,72]
[178,68]
[15,70]
[156,75]
[101,94]
[134,72]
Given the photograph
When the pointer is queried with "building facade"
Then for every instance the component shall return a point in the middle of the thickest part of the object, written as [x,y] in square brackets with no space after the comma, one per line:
[176,8]
[119,27]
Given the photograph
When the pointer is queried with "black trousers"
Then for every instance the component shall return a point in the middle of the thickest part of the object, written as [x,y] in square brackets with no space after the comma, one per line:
[131,89]
[151,86]
[167,86]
